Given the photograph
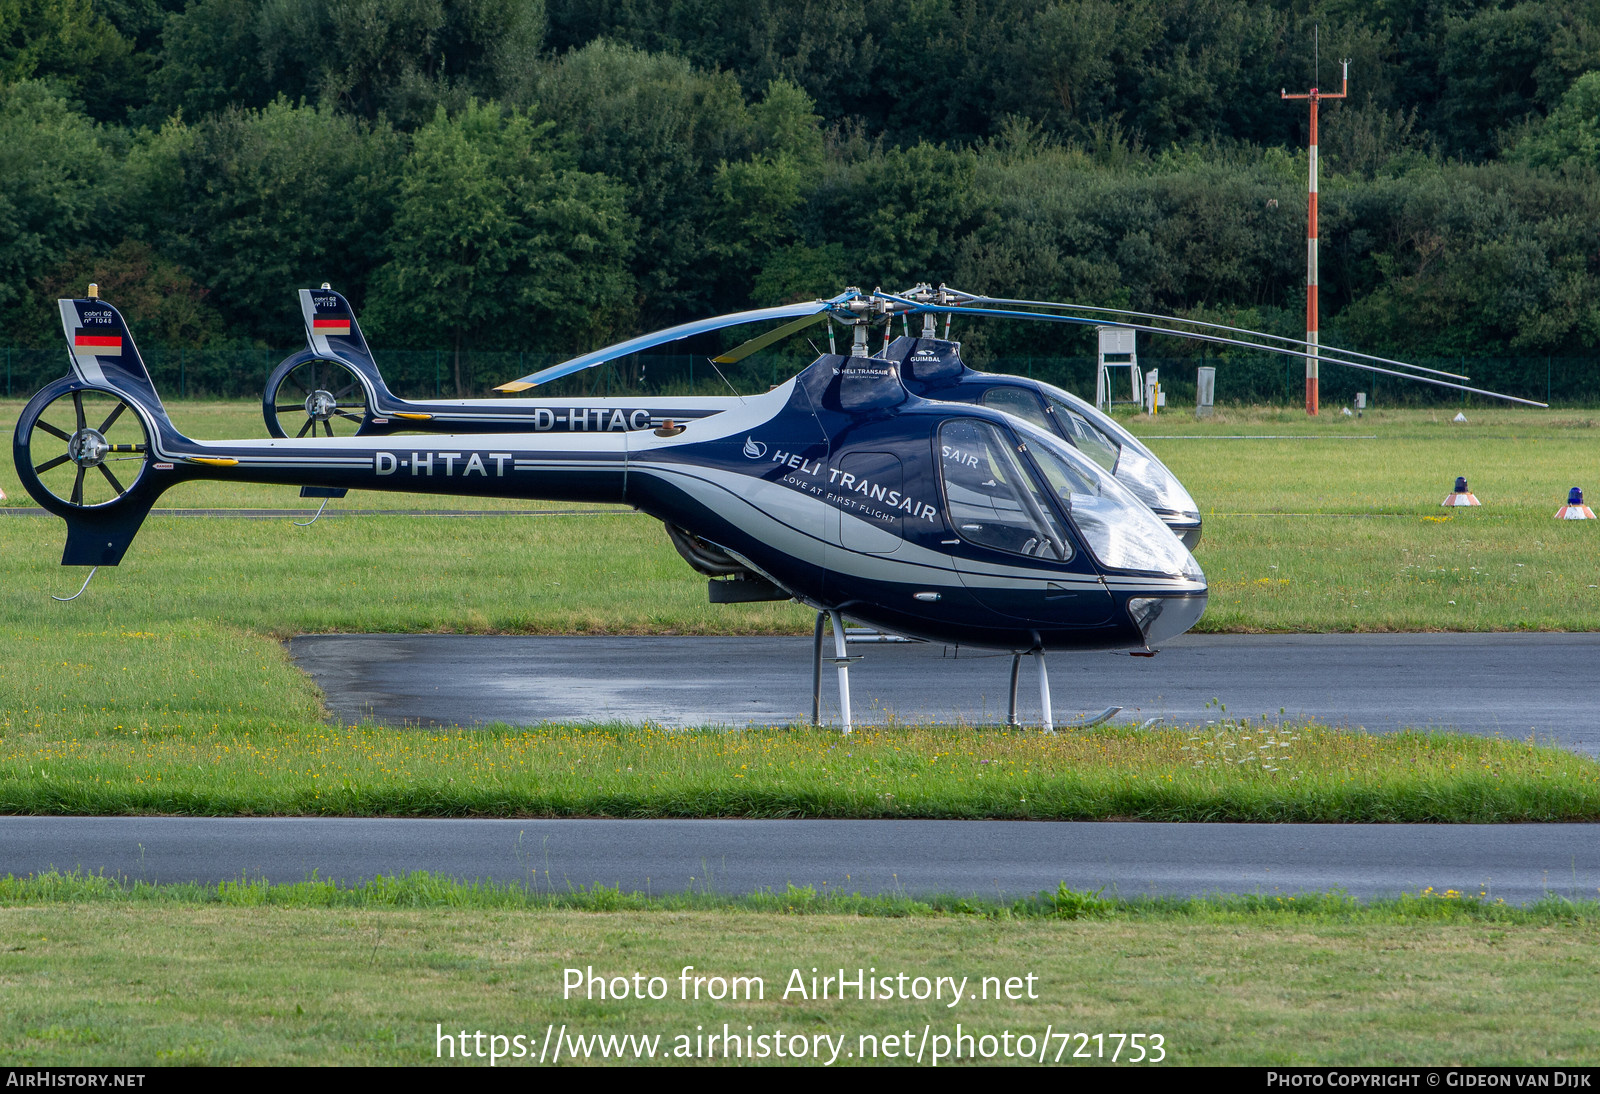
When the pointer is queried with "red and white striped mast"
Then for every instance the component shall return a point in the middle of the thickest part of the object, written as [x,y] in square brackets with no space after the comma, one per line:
[1311,239]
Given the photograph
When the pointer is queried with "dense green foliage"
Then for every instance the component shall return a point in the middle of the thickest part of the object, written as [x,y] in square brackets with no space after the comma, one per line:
[543,175]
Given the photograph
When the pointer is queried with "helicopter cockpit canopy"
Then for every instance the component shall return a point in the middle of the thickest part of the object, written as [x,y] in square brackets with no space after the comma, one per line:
[998,499]
[1107,443]
[1118,527]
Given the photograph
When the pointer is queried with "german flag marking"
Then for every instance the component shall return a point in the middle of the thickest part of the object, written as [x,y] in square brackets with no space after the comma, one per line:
[331,326]
[97,344]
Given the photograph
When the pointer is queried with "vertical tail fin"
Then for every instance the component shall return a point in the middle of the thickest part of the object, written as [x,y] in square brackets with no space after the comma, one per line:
[89,446]
[332,330]
[102,354]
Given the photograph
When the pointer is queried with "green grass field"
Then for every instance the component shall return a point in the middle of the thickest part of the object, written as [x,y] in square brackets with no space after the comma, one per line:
[244,973]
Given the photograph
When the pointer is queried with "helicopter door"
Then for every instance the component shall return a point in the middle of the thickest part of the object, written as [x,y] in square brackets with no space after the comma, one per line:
[1013,552]
[865,495]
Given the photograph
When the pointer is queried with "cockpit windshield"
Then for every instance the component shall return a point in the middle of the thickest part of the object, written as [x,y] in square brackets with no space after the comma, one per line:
[1056,414]
[1121,531]
[997,499]
[1099,445]
[1102,439]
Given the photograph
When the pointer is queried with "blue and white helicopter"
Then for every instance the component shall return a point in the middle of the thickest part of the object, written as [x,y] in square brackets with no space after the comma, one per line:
[335,382]
[841,489]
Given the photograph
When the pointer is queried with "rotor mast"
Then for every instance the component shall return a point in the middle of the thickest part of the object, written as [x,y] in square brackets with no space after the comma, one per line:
[1314,96]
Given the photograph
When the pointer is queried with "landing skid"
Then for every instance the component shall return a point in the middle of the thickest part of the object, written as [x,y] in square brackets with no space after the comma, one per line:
[1094,719]
[842,659]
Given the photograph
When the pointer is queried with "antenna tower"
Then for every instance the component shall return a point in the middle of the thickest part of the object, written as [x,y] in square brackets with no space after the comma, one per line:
[1314,96]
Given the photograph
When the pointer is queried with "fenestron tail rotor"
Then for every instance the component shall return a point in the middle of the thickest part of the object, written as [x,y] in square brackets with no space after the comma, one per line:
[314,397]
[85,448]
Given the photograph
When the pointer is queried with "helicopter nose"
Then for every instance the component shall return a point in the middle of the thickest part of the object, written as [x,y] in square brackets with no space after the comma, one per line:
[1162,617]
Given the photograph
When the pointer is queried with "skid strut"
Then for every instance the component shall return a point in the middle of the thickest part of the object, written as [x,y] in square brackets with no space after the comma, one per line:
[841,658]
[1044,689]
[1016,666]
[816,671]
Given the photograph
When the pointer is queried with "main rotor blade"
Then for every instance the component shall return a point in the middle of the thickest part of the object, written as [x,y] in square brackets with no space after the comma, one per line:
[970,298]
[672,334]
[745,349]
[1076,320]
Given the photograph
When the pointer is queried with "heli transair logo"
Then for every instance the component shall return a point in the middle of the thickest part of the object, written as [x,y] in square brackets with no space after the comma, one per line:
[447,464]
[850,491]
[589,419]
[754,448]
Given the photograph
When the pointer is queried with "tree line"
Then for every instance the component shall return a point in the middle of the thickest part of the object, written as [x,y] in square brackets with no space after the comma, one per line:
[544,177]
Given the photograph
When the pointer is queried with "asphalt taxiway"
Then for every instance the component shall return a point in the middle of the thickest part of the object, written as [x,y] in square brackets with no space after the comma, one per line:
[1513,685]
[1518,863]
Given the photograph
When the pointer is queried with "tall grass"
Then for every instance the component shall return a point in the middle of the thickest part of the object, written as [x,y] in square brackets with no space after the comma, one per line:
[1239,772]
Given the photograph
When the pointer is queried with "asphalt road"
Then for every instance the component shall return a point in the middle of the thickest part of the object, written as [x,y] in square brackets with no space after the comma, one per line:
[1508,684]
[1004,859]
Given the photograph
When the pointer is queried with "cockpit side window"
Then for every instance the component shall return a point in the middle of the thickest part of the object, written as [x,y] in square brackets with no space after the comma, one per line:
[991,498]
[1087,439]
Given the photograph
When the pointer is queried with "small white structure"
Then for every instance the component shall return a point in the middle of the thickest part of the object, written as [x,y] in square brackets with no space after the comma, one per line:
[1205,391]
[1117,351]
[1153,395]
